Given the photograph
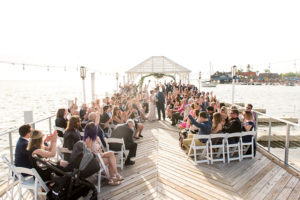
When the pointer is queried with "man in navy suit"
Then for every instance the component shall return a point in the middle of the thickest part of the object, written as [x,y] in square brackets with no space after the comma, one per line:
[21,154]
[160,103]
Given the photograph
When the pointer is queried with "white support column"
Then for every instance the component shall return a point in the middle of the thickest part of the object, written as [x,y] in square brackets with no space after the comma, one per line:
[28,118]
[93,86]
[83,88]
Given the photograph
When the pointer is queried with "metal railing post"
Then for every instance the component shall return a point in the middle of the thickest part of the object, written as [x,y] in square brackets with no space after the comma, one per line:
[287,144]
[269,138]
[50,126]
[11,148]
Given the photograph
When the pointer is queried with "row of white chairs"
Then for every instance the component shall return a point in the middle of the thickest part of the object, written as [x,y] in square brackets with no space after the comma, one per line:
[32,182]
[210,152]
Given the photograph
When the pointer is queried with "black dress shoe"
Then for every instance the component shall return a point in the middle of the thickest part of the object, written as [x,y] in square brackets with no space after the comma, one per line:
[129,162]
[141,136]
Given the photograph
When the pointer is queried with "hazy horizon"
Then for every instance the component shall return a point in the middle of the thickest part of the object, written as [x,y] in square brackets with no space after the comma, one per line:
[117,35]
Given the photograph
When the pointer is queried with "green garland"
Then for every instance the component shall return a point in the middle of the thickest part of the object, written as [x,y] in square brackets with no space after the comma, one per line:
[156,75]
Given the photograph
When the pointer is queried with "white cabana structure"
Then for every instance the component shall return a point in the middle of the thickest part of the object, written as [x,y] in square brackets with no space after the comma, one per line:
[159,64]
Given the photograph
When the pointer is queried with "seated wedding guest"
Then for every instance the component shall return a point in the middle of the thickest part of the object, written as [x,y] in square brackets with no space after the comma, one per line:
[217,123]
[224,113]
[105,119]
[109,159]
[35,147]
[217,126]
[248,125]
[72,134]
[177,113]
[116,116]
[233,125]
[138,126]
[94,117]
[204,126]
[249,108]
[125,131]
[82,112]
[210,111]
[61,120]
[185,124]
[21,154]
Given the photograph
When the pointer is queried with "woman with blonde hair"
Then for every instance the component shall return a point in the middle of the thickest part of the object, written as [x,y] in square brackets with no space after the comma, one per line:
[217,123]
[36,148]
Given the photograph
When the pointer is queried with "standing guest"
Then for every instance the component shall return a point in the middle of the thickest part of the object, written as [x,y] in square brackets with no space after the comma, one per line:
[72,134]
[233,125]
[160,103]
[93,142]
[21,154]
[125,131]
[61,120]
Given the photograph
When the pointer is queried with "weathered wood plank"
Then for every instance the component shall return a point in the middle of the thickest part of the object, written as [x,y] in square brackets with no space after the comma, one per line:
[252,182]
[295,194]
[262,183]
[278,187]
[288,188]
[270,184]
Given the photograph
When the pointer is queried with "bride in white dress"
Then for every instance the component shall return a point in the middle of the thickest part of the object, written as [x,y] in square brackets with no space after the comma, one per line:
[152,107]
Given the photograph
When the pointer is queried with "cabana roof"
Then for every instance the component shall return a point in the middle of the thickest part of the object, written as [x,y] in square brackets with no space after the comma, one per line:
[158,64]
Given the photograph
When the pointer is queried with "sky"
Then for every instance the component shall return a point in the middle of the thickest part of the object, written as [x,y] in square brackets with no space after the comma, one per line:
[117,35]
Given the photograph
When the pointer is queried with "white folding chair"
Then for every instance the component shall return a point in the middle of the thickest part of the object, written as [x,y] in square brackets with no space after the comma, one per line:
[103,169]
[34,182]
[10,177]
[220,148]
[231,148]
[203,149]
[61,150]
[120,154]
[61,139]
[246,145]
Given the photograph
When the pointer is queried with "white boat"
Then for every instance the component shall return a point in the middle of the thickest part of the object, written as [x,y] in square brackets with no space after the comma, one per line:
[208,84]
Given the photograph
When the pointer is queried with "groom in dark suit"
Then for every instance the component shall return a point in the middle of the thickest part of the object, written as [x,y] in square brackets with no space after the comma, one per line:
[160,104]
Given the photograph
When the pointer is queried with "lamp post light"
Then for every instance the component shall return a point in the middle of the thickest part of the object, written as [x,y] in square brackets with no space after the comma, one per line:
[83,76]
[117,78]
[233,73]
[199,81]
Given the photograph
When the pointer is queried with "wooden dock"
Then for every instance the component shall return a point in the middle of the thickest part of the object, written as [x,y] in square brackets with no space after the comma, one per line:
[162,171]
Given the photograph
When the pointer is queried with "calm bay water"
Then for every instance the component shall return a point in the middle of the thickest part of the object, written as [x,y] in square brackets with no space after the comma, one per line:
[45,97]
